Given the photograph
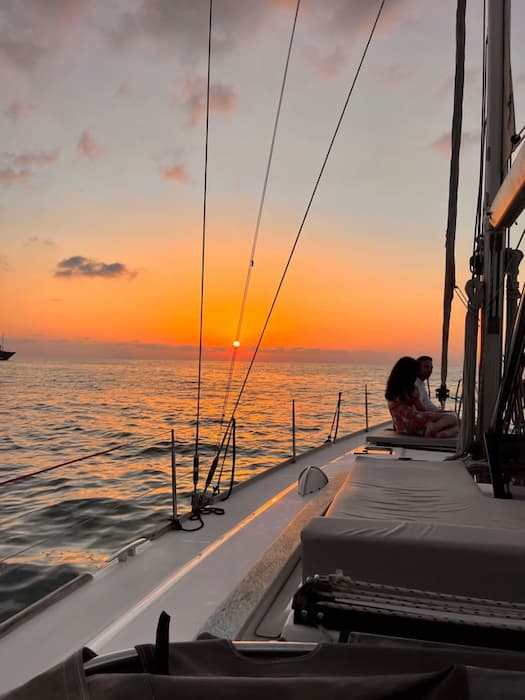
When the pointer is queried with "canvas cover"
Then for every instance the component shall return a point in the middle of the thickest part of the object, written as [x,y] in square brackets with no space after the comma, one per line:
[214,668]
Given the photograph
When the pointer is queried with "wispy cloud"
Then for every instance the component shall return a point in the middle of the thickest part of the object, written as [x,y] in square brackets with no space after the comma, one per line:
[328,64]
[88,147]
[4,263]
[21,54]
[79,266]
[10,176]
[33,241]
[181,27]
[446,87]
[16,110]
[17,167]
[222,99]
[32,30]
[36,158]
[443,146]
[342,24]
[392,74]
[123,90]
[352,18]
[176,173]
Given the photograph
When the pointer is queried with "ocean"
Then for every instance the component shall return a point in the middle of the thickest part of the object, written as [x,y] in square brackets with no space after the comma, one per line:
[72,519]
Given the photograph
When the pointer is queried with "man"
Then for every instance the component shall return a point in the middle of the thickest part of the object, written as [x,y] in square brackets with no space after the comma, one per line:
[425,370]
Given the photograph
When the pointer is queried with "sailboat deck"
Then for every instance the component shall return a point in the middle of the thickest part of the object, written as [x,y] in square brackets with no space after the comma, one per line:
[188,574]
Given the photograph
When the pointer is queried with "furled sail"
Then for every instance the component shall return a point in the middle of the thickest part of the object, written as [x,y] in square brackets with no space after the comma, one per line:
[450,263]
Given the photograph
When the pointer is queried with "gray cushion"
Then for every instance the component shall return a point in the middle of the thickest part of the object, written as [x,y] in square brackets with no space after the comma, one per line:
[466,560]
[390,437]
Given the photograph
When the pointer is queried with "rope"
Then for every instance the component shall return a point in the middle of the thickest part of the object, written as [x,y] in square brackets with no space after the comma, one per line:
[474,289]
[314,191]
[457,118]
[461,296]
[197,420]
[20,477]
[259,217]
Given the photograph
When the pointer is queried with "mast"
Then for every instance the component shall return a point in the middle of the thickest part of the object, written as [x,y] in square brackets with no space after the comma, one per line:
[498,40]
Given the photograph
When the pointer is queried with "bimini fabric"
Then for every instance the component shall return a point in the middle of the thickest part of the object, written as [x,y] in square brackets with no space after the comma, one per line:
[215,668]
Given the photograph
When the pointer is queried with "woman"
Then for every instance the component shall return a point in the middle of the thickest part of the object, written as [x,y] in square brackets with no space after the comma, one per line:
[407,412]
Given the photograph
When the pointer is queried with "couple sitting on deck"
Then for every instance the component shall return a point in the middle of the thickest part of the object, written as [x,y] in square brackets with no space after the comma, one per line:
[410,407]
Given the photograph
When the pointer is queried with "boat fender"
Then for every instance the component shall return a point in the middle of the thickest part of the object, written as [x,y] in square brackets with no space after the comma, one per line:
[311,479]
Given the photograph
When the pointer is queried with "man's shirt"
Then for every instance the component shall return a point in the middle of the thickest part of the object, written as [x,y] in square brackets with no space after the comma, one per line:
[424,397]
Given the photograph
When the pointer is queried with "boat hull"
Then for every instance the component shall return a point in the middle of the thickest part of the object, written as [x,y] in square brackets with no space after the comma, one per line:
[5,354]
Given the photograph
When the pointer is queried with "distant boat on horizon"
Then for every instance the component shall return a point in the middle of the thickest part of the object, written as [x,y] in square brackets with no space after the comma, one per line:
[5,354]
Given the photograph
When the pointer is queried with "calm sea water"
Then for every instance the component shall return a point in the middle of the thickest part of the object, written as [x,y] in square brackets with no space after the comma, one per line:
[72,519]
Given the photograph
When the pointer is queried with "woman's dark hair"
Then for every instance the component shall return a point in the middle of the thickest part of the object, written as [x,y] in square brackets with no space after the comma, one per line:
[402,378]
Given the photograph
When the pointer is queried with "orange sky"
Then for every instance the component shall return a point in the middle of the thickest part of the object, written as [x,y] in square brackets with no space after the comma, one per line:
[103,177]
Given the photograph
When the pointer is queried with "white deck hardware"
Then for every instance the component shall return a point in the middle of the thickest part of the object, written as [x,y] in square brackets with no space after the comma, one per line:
[129,550]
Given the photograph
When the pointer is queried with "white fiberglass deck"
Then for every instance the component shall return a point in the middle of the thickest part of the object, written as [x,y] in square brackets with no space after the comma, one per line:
[186,574]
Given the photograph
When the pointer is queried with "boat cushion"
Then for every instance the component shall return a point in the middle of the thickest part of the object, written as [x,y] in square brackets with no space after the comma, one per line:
[418,490]
[457,559]
[420,524]
[390,437]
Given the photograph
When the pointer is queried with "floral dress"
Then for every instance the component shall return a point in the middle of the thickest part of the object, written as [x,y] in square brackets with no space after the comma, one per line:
[408,417]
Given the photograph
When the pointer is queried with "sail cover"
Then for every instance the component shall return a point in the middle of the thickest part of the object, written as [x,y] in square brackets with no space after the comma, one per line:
[509,201]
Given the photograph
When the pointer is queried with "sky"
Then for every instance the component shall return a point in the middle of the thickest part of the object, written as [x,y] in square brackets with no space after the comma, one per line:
[102,144]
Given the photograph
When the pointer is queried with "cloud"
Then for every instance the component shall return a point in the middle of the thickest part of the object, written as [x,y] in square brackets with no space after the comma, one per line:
[351,18]
[182,27]
[17,170]
[391,74]
[123,90]
[446,88]
[10,176]
[442,144]
[16,110]
[22,54]
[37,241]
[176,173]
[87,146]
[328,64]
[4,263]
[28,160]
[32,30]
[79,266]
[222,99]
[343,25]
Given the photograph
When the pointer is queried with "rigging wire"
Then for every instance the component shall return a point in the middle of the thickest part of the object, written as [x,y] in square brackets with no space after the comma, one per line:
[258,223]
[199,380]
[461,296]
[303,221]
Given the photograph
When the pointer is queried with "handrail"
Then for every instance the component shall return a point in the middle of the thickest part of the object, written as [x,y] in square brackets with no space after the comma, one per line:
[128,550]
